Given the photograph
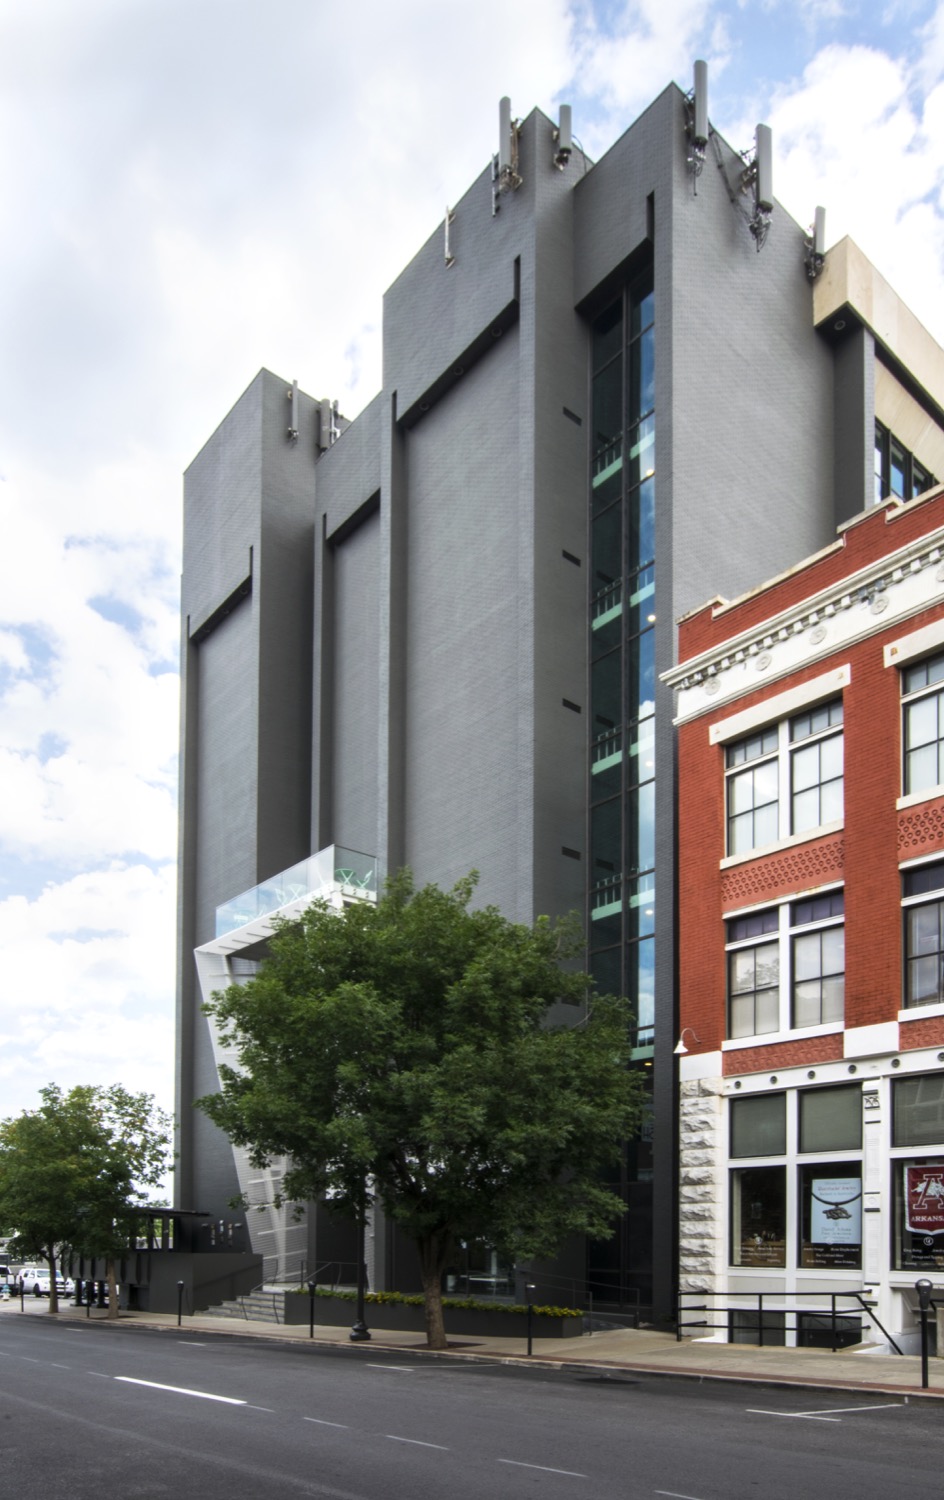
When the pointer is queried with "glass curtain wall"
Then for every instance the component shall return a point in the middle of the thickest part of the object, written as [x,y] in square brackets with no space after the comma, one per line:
[622,736]
[622,656]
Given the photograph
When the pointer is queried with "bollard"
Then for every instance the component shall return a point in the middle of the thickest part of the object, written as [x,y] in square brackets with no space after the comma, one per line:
[311,1309]
[180,1301]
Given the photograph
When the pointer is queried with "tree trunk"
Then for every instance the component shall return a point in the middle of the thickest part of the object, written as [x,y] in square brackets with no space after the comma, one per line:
[432,1264]
[53,1292]
[112,1288]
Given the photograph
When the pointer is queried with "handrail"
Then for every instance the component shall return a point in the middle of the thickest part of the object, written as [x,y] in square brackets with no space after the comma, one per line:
[743,1304]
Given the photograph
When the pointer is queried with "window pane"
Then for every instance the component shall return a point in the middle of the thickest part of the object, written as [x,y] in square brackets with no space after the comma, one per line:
[605,692]
[759,1125]
[641,683]
[918,1215]
[831,1119]
[608,334]
[642,503]
[918,1110]
[758,1216]
[923,953]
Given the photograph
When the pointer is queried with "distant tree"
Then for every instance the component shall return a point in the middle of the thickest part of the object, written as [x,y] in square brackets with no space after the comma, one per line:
[72,1172]
[403,1048]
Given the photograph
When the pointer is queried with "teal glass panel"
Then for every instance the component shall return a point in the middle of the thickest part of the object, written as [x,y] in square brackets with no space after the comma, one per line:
[641,676]
[607,484]
[606,545]
[642,309]
[640,827]
[641,907]
[606,842]
[642,450]
[608,335]
[642,524]
[642,382]
[641,987]
[605,693]
[607,417]
[642,751]
[606,765]
[606,922]
[641,600]
[606,626]
[606,970]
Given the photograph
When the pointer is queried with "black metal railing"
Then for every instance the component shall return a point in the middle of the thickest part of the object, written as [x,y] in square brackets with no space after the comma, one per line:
[767,1314]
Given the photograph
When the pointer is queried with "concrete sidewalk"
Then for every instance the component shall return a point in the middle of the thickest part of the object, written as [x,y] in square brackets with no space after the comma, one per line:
[612,1353]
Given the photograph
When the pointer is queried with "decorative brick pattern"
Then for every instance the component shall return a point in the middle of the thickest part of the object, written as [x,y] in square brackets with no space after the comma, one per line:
[761,1059]
[921,829]
[812,864]
[924,1031]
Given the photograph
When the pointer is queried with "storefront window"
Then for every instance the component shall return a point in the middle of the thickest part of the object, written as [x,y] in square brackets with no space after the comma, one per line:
[831,1215]
[918,1110]
[758,1216]
[759,1125]
[918,1224]
[831,1119]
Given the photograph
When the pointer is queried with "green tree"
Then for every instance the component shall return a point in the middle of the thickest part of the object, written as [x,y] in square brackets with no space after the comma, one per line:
[406,1046]
[72,1172]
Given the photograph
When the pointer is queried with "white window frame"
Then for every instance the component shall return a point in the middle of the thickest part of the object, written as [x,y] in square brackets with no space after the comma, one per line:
[783,935]
[783,755]
[909,700]
[933,897]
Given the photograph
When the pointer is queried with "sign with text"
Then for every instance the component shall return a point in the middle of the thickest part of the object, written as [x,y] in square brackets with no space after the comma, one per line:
[836,1211]
[924,1198]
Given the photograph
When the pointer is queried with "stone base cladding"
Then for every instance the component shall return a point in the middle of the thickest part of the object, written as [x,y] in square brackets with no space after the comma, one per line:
[921,829]
[701,1176]
[813,1049]
[928,1031]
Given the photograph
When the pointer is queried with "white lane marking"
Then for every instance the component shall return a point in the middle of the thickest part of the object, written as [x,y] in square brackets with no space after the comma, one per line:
[674,1495]
[544,1468]
[322,1423]
[802,1416]
[415,1441]
[99,1373]
[30,1360]
[830,1414]
[250,1407]
[181,1390]
[194,1343]
[60,1367]
[404,1369]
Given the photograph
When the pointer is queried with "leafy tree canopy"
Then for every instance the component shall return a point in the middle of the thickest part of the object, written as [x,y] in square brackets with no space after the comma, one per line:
[73,1169]
[406,1045]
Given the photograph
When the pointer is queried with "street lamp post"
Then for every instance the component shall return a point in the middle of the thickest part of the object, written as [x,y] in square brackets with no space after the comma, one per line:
[530,1291]
[311,1309]
[360,1333]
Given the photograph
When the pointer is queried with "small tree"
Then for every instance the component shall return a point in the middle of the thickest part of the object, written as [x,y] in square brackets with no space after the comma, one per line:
[405,1045]
[72,1171]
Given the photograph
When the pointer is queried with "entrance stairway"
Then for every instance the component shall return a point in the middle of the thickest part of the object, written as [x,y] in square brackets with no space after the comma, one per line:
[264,1305]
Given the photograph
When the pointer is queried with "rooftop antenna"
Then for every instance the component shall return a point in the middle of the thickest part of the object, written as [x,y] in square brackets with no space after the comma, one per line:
[815,255]
[505,177]
[292,395]
[759,176]
[564,139]
[696,124]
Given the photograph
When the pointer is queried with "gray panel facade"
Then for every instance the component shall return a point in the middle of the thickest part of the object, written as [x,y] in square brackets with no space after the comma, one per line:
[385,643]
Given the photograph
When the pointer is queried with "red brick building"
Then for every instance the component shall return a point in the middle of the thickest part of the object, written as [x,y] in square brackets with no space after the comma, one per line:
[811,934]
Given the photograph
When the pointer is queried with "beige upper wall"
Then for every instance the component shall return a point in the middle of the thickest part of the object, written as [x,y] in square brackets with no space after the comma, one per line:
[910,423]
[848,277]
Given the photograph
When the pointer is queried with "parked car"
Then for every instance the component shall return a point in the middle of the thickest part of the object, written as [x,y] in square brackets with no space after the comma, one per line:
[36,1280]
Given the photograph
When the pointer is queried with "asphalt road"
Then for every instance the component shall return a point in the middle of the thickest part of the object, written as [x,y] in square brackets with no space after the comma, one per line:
[88,1411]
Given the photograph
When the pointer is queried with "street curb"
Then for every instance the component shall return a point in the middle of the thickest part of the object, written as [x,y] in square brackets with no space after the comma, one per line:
[767,1380]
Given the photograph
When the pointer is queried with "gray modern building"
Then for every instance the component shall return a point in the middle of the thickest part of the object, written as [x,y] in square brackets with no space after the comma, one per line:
[433,636]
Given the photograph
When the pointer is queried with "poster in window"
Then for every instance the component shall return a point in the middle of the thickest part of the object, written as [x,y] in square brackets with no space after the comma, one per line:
[924,1196]
[836,1211]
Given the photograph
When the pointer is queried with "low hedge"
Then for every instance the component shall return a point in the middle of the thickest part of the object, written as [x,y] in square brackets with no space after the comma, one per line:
[464,1304]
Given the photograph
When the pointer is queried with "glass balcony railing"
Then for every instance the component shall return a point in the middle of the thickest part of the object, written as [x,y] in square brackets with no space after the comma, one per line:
[330,869]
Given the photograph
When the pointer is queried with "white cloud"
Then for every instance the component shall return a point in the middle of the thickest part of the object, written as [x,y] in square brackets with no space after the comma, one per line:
[87,973]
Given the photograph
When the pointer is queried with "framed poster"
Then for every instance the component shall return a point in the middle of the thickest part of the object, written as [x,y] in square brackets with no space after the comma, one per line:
[924,1200]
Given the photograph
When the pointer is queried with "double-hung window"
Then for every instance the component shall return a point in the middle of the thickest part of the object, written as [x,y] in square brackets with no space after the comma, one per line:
[786,779]
[924,934]
[786,967]
[923,707]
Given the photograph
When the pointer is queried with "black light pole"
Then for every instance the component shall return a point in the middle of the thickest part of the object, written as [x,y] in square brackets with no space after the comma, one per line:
[180,1301]
[360,1333]
[529,1289]
[924,1288]
[311,1309]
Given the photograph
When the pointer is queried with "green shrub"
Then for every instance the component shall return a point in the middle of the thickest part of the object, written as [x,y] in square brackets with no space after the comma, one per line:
[466,1304]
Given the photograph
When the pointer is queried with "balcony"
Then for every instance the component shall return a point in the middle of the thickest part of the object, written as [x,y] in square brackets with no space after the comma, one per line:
[326,873]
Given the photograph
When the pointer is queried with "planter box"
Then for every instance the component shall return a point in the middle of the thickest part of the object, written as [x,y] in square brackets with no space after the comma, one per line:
[338,1312]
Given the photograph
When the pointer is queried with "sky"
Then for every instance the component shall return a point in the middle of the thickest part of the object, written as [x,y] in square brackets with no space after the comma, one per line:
[193,189]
